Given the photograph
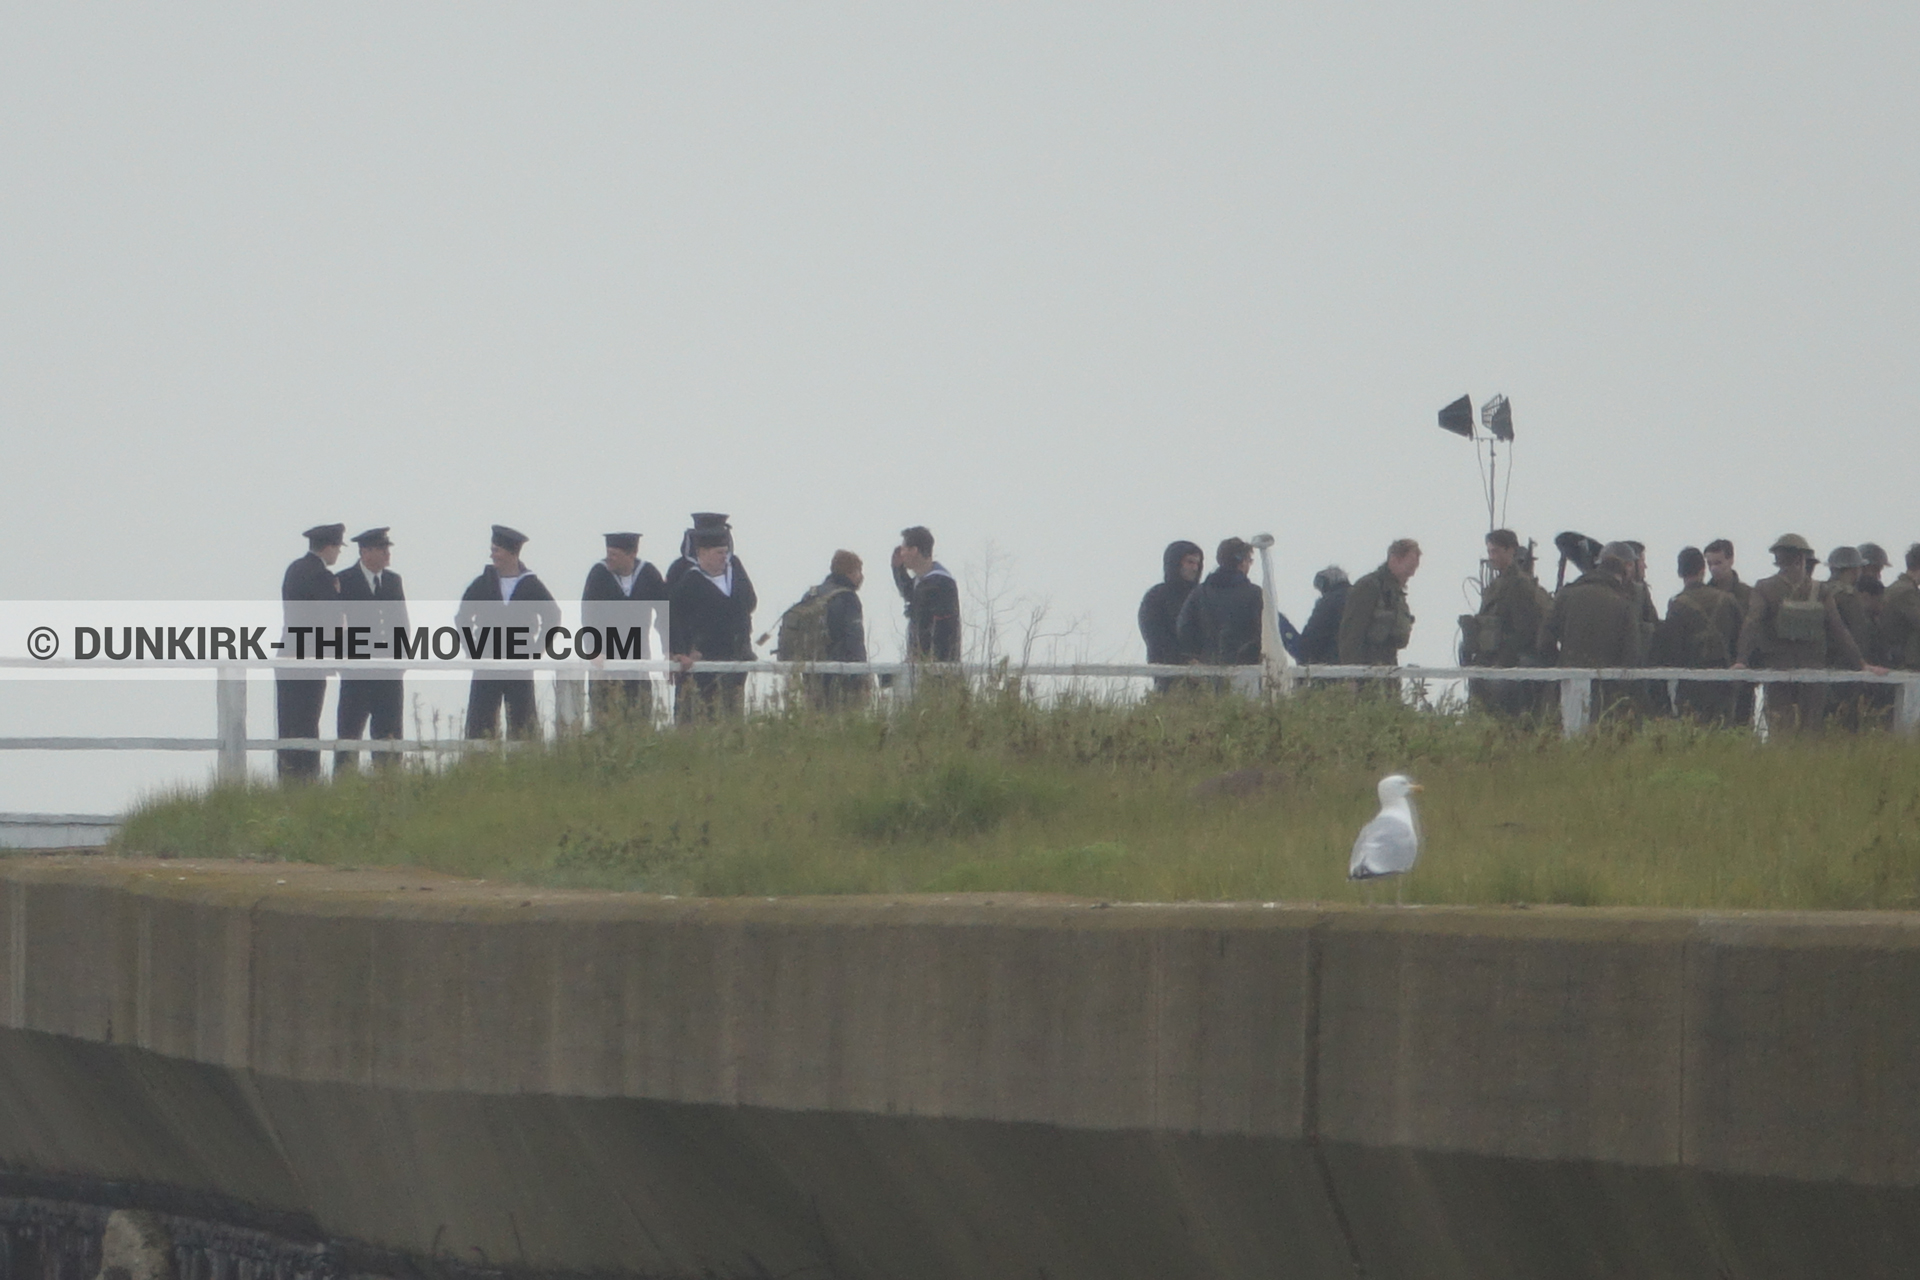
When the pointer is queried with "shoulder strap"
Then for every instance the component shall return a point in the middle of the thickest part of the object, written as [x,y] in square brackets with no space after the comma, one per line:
[1695,605]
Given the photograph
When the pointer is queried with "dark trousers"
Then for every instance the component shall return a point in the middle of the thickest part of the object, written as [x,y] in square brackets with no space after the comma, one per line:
[1854,707]
[483,707]
[620,701]
[833,693]
[1711,703]
[1620,698]
[362,701]
[296,703]
[1512,698]
[1796,708]
[707,697]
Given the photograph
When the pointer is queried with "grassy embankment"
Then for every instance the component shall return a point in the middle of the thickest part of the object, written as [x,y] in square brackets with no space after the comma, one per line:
[1127,803]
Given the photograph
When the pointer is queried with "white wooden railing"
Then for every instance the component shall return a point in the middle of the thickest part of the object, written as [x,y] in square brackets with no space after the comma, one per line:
[231,743]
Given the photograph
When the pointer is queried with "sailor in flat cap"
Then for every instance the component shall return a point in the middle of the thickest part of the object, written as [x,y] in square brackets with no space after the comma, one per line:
[506,595]
[615,586]
[309,598]
[707,526]
[371,596]
[710,616]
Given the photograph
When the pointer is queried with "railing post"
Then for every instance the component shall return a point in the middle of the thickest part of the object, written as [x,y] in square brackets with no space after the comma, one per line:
[1576,704]
[1247,680]
[1906,706]
[1277,677]
[569,703]
[230,724]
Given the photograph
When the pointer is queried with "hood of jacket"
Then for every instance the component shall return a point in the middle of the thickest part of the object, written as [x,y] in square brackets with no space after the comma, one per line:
[1170,561]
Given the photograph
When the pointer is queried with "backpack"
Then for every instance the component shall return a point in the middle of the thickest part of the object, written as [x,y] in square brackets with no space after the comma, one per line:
[1802,620]
[803,628]
[1706,646]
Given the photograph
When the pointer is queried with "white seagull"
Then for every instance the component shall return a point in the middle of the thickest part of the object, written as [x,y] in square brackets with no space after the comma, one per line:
[1390,844]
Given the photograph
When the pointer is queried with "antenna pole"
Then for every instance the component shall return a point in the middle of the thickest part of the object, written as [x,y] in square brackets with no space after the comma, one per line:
[1493,479]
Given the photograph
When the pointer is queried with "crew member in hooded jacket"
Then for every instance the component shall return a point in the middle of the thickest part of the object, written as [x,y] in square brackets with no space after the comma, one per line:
[614,585]
[309,597]
[1320,639]
[506,595]
[1220,622]
[1180,566]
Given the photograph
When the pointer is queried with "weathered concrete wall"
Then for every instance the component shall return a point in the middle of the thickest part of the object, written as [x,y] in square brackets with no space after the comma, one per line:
[866,1088]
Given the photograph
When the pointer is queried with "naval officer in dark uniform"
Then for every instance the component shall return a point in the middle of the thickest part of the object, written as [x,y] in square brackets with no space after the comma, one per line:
[310,597]
[622,578]
[371,596]
[506,594]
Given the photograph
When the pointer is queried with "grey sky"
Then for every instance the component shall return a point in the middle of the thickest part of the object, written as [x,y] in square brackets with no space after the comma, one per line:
[1076,280]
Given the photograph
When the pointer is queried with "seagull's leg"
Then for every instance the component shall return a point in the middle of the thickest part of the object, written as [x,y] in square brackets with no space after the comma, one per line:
[1399,891]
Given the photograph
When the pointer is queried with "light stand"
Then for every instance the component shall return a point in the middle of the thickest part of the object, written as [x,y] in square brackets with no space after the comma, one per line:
[1495,429]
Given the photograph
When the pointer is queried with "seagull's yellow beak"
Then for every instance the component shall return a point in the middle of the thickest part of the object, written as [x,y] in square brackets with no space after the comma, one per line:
[1416,787]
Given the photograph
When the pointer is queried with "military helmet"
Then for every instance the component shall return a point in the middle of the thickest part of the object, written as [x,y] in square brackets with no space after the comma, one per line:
[1791,542]
[1872,553]
[1845,558]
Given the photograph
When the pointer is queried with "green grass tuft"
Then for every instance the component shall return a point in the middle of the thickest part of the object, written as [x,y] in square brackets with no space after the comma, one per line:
[964,797]
[1117,801]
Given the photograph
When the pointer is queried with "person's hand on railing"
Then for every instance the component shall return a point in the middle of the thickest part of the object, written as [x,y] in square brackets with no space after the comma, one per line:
[686,660]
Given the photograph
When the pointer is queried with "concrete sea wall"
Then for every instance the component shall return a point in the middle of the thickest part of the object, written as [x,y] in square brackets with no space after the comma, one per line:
[475,1076]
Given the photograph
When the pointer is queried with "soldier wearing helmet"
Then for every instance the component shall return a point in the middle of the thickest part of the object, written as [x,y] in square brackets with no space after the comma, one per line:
[1874,562]
[1900,616]
[1791,625]
[1877,698]
[1594,621]
[1844,565]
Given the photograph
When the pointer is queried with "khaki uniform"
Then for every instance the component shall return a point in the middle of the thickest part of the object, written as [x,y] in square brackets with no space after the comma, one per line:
[1876,700]
[1377,623]
[1506,633]
[1701,627]
[1789,706]
[1850,701]
[1649,616]
[1648,695]
[1742,595]
[1595,622]
[1899,630]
